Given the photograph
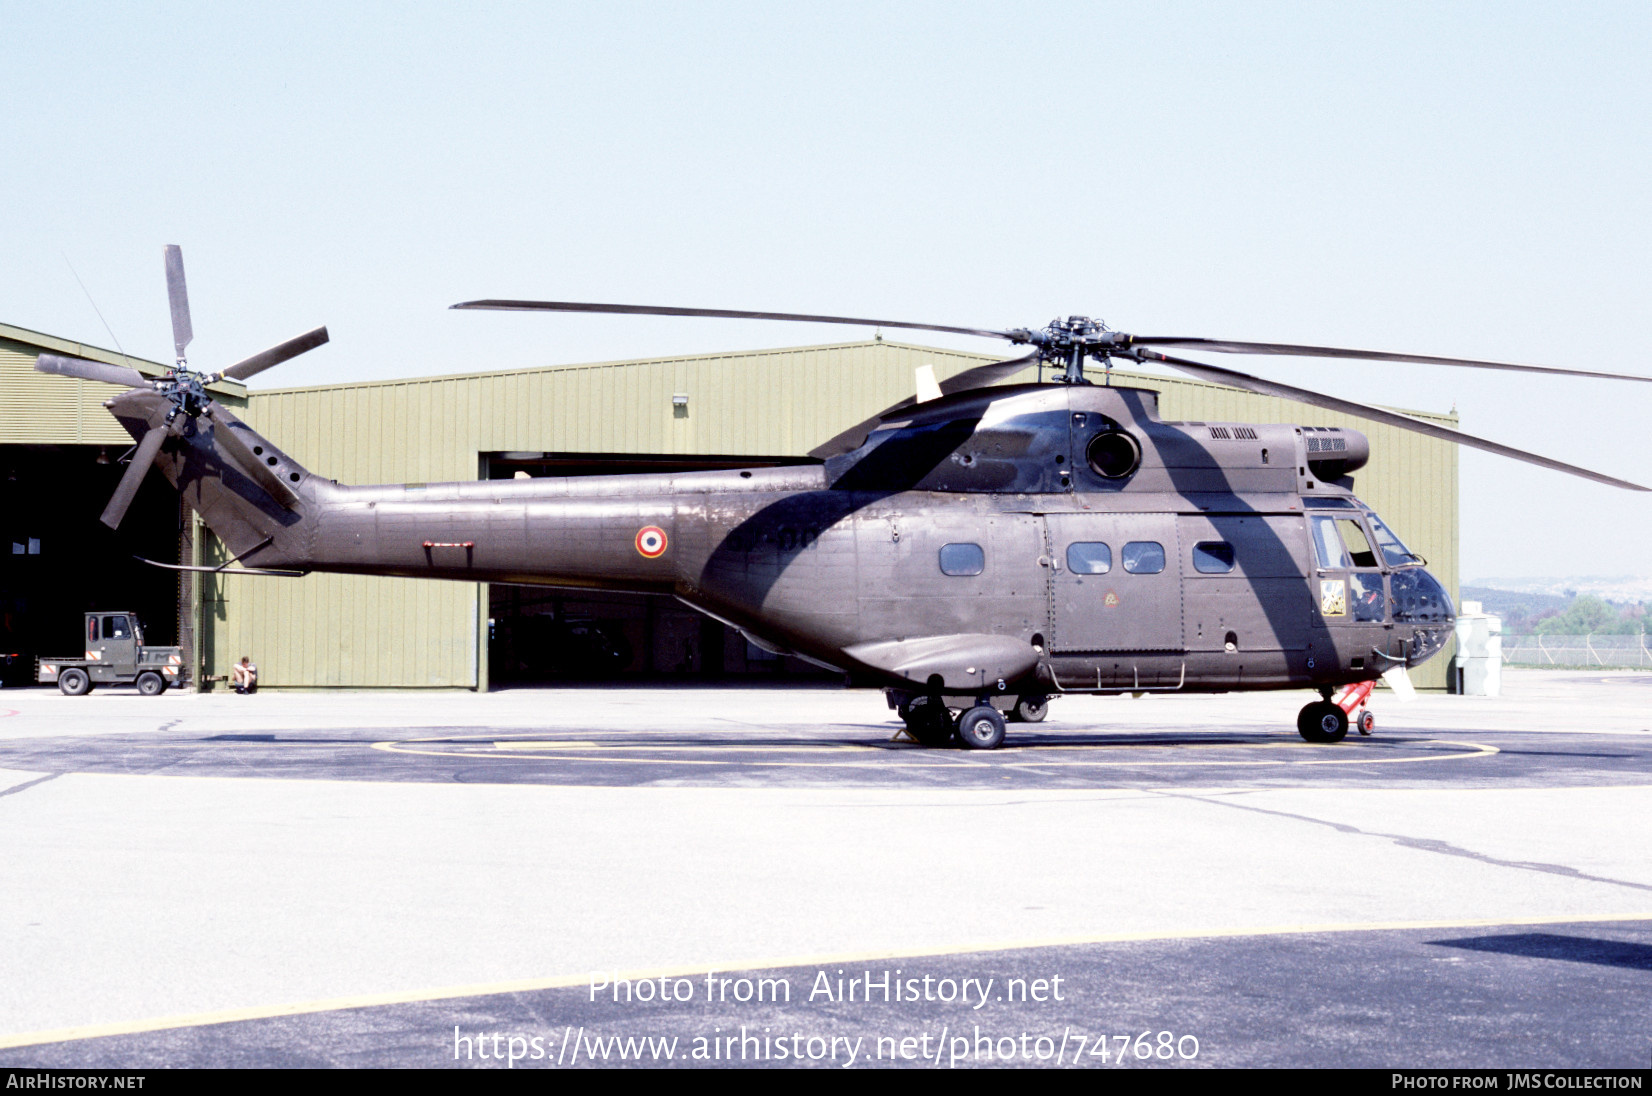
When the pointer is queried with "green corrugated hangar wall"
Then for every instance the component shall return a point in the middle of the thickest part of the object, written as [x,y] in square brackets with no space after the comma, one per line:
[337,630]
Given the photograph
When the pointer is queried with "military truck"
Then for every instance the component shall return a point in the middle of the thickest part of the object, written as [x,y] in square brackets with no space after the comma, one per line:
[115,655]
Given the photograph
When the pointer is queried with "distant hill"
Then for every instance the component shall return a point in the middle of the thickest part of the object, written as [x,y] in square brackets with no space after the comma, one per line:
[1578,606]
[1514,604]
[1619,589]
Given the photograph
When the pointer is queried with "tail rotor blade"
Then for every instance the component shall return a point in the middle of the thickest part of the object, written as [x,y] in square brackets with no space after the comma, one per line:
[148,449]
[178,294]
[1232,378]
[91,371]
[275,355]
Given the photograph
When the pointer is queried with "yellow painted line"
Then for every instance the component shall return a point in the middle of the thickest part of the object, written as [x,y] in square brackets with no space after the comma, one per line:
[565,981]
[872,751]
[568,745]
[571,745]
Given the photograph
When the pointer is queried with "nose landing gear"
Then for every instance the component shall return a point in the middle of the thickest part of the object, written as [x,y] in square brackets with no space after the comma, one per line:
[1328,720]
[1322,721]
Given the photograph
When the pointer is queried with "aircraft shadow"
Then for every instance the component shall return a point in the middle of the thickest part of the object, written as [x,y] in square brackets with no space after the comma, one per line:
[1548,945]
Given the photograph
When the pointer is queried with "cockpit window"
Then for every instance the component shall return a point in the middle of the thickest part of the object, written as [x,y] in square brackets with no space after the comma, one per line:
[1394,553]
[1332,555]
[1358,547]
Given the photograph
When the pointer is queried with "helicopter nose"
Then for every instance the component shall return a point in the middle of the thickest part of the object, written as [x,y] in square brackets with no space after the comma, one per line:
[1421,600]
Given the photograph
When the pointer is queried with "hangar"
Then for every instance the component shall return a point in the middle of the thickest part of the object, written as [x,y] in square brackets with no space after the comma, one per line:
[60,453]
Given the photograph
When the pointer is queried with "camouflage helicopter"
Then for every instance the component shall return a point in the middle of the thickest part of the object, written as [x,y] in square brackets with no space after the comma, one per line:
[978,547]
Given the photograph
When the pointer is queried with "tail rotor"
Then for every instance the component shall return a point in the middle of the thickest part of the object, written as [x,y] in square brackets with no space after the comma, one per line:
[184,388]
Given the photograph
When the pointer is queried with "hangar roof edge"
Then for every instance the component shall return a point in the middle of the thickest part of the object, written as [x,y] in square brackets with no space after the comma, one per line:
[1145,379]
[98,354]
[620,363]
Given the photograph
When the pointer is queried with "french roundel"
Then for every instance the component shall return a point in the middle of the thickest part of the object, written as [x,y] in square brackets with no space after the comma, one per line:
[651,541]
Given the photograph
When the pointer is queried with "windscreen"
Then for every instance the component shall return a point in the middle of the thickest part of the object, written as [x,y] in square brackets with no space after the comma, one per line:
[1393,552]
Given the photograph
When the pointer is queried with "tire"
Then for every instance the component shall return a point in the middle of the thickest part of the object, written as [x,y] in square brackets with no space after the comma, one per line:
[1367,721]
[73,682]
[151,683]
[1322,721]
[929,722]
[981,728]
[1030,709]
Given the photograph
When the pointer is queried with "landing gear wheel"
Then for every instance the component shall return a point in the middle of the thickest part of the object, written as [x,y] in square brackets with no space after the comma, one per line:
[981,728]
[1322,721]
[928,721]
[151,683]
[1367,722]
[74,683]
[1030,709]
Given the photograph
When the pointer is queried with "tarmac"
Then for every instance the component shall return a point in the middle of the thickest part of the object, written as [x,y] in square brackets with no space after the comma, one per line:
[397,878]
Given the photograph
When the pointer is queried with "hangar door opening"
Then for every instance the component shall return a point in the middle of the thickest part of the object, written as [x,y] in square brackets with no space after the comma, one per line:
[58,561]
[535,634]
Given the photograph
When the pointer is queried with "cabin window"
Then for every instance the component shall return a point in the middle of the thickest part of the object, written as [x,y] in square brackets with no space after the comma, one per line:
[1089,557]
[1360,548]
[1143,557]
[91,629]
[1213,557]
[1332,555]
[962,559]
[114,627]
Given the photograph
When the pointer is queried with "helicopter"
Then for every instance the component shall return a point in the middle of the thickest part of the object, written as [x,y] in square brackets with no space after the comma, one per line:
[973,550]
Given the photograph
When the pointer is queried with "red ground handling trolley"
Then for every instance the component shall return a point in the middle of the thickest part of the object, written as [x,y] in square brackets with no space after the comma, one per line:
[1353,699]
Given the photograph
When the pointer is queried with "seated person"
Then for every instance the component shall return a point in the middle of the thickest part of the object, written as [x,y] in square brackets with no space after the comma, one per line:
[245,676]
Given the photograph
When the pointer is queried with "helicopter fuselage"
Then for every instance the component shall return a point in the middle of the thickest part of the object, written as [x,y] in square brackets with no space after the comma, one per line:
[1014,540]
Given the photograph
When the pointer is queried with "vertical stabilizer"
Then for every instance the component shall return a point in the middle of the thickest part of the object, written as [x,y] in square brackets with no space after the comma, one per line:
[253,496]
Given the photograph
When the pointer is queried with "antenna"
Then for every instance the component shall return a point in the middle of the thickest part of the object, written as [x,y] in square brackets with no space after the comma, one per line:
[95,308]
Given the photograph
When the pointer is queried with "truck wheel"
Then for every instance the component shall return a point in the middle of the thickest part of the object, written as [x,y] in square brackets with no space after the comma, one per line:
[981,728]
[74,682]
[151,683]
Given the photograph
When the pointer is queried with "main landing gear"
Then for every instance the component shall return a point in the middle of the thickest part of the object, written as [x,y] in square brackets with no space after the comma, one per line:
[1328,720]
[930,722]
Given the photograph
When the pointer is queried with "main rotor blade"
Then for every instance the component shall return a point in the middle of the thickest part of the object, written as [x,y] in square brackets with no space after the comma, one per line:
[178,294]
[1223,346]
[132,479]
[718,313]
[1215,374]
[980,376]
[275,355]
[91,371]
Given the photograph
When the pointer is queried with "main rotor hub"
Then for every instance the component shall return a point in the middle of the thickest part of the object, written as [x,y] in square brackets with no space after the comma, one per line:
[1065,343]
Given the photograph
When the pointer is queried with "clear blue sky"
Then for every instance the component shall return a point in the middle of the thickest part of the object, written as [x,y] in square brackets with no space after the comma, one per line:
[1464,179]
